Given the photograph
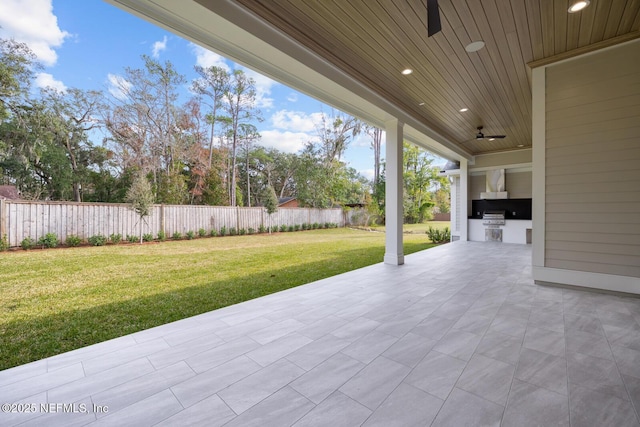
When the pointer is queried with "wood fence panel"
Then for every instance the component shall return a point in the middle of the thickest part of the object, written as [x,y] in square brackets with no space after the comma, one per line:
[21,219]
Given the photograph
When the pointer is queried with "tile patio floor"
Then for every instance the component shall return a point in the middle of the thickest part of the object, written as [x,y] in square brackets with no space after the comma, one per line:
[459,335]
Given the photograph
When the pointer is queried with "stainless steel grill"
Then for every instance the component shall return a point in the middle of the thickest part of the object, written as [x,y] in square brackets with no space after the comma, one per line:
[495,218]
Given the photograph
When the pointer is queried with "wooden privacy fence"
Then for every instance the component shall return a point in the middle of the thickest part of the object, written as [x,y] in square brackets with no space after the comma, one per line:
[21,219]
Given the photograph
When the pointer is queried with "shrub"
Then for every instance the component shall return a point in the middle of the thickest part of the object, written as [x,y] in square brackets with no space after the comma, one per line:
[296,227]
[439,236]
[251,231]
[177,235]
[214,233]
[4,243]
[202,232]
[333,225]
[147,237]
[326,225]
[274,228]
[290,228]
[305,226]
[97,240]
[49,240]
[115,238]
[283,228]
[262,229]
[223,231]
[27,243]
[162,236]
[190,235]
[73,241]
[242,231]
[315,225]
[233,231]
[131,238]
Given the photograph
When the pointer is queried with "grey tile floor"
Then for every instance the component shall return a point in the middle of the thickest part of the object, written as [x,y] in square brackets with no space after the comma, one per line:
[459,335]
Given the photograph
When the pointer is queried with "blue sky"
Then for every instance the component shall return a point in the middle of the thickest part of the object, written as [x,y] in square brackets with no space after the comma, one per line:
[87,44]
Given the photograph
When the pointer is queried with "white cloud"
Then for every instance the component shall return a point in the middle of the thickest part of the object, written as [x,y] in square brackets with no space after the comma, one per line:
[296,121]
[205,58]
[159,46]
[118,86]
[293,97]
[32,22]
[289,142]
[46,80]
[367,173]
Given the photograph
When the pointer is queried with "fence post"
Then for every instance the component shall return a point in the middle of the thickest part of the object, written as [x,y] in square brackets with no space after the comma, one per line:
[3,218]
[237,218]
[162,228]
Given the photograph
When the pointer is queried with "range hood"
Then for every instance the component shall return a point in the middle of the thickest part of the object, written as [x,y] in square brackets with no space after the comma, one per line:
[495,188]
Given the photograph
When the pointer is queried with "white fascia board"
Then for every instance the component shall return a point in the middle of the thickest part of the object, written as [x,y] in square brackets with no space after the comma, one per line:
[233,32]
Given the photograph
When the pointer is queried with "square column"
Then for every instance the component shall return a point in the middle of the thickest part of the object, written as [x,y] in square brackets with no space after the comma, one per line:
[394,252]
[464,200]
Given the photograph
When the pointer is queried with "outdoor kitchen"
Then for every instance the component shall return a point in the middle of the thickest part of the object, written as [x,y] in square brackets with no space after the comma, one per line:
[498,213]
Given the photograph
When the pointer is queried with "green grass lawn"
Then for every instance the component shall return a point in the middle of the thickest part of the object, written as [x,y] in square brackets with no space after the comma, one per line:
[56,300]
[418,228]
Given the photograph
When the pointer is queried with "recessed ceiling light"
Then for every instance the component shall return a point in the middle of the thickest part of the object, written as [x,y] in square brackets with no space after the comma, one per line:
[407,71]
[520,145]
[421,104]
[474,46]
[491,139]
[462,110]
[578,6]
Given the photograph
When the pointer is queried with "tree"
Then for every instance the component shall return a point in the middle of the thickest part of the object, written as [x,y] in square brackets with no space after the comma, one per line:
[140,196]
[148,127]
[17,65]
[212,84]
[242,110]
[270,202]
[376,145]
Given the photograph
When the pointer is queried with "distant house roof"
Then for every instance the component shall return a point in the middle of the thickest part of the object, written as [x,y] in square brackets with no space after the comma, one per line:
[284,200]
[9,192]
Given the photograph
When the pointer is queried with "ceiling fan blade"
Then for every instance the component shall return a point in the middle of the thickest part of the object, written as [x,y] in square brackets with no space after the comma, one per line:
[433,17]
[495,136]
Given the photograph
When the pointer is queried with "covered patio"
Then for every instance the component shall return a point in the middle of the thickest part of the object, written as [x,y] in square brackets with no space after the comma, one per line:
[459,335]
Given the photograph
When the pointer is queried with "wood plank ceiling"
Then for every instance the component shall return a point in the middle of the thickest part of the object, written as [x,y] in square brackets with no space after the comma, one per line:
[374,40]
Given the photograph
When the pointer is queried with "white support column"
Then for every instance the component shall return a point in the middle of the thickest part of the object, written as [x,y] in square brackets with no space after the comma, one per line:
[394,252]
[464,200]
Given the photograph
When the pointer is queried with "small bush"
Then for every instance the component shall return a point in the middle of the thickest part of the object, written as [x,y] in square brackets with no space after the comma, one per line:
[439,236]
[115,238]
[28,243]
[223,231]
[214,233]
[296,227]
[202,232]
[49,240]
[4,243]
[262,229]
[305,226]
[97,240]
[162,236]
[132,238]
[290,228]
[233,231]
[190,235]
[283,228]
[242,231]
[147,237]
[73,241]
[177,235]
[315,225]
[251,231]
[333,225]
[274,228]
[326,225]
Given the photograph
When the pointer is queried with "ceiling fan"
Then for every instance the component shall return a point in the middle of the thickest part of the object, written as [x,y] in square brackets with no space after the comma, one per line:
[481,135]
[433,17]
